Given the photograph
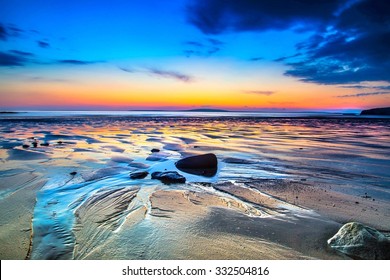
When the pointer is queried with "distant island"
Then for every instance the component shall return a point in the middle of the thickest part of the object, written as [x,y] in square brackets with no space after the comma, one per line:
[7,112]
[206,110]
[377,111]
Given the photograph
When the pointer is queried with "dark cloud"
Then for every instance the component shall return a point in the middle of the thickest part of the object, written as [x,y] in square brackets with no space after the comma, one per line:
[259,92]
[7,59]
[364,94]
[3,33]
[76,62]
[160,73]
[9,31]
[351,40]
[43,44]
[21,53]
[217,16]
[355,49]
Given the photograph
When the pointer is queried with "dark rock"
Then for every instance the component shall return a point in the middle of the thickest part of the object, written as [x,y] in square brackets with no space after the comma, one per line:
[169,177]
[73,173]
[139,174]
[35,144]
[377,112]
[46,144]
[204,165]
[361,242]
[26,146]
[60,142]
[155,150]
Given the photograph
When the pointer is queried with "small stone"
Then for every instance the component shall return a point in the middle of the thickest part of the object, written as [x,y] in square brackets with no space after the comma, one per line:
[139,174]
[169,177]
[73,173]
[155,150]
[25,146]
[46,144]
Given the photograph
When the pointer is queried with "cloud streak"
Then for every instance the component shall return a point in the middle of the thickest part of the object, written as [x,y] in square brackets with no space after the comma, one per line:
[205,48]
[22,53]
[43,44]
[366,87]
[76,62]
[259,92]
[161,73]
[364,94]
[170,74]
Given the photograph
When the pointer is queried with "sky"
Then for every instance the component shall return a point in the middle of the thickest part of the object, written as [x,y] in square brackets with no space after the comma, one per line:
[185,54]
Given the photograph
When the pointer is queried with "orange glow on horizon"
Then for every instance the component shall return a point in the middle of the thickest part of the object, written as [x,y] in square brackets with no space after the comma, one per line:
[114,92]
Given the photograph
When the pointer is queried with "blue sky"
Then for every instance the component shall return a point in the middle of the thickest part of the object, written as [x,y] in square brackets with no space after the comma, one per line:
[185,53]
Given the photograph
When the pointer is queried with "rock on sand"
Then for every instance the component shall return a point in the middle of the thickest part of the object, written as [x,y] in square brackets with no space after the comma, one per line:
[361,242]
[205,165]
[139,174]
[169,177]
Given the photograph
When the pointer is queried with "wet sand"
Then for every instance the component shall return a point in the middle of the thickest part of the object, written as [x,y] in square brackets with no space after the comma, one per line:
[16,213]
[282,188]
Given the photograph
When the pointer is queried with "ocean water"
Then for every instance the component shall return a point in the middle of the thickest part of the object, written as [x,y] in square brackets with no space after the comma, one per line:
[352,155]
[21,114]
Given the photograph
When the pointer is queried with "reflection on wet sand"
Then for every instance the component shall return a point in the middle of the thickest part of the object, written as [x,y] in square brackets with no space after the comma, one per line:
[281,187]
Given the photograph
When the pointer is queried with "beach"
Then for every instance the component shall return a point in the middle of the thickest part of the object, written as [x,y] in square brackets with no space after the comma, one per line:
[283,185]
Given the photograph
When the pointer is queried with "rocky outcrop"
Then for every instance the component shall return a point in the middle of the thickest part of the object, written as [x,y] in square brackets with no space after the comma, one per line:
[361,242]
[169,177]
[204,165]
[377,112]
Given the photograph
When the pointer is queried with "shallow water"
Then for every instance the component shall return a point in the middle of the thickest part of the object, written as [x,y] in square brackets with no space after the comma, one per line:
[350,155]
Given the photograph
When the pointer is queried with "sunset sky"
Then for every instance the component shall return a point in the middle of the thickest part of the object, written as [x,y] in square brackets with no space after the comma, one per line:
[184,54]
